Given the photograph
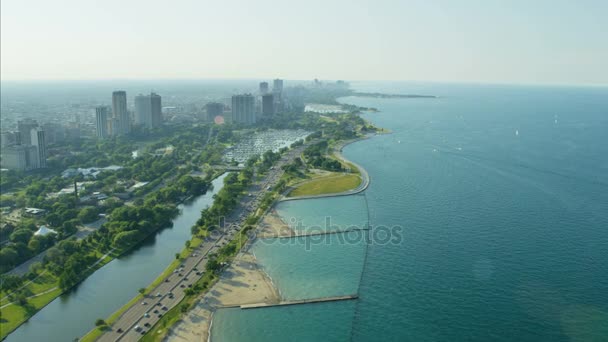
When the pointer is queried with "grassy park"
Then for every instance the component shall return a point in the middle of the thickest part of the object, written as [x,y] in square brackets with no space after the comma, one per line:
[329,184]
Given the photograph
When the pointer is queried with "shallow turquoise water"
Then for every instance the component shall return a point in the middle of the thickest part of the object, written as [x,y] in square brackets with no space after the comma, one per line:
[502,196]
[289,323]
[313,266]
[325,214]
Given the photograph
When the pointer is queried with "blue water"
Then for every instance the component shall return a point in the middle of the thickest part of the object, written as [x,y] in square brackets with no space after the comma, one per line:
[74,313]
[325,214]
[334,261]
[497,201]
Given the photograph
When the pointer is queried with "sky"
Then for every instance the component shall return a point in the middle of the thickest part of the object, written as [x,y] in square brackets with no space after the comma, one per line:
[488,41]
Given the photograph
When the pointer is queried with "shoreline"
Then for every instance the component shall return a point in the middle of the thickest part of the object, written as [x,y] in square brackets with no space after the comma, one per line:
[243,282]
[365,178]
[271,225]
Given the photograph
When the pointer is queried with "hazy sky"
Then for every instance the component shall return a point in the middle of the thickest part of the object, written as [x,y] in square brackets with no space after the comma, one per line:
[531,41]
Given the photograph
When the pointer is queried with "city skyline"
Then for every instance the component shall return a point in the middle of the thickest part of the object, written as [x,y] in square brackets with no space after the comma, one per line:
[516,42]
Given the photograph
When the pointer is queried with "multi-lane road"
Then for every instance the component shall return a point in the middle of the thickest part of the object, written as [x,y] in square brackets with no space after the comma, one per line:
[140,317]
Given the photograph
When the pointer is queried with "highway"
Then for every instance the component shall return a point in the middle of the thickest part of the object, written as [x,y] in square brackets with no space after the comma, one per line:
[140,317]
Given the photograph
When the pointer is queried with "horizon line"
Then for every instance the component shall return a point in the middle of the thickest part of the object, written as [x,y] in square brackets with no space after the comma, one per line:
[471,82]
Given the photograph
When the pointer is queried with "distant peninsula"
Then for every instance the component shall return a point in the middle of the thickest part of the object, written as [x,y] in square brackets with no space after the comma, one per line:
[392,96]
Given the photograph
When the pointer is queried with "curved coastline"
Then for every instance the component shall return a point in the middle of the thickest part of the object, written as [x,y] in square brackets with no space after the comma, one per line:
[365,178]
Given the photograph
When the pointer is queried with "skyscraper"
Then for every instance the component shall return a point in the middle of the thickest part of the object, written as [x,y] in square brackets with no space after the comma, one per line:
[101,121]
[143,111]
[263,88]
[24,127]
[243,109]
[148,110]
[277,86]
[156,109]
[32,157]
[267,106]
[38,140]
[120,113]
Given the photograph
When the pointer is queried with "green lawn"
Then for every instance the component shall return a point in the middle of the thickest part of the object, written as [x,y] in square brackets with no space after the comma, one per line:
[334,183]
[13,315]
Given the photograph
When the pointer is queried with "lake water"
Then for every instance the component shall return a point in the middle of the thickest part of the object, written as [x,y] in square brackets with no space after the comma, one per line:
[495,199]
[74,313]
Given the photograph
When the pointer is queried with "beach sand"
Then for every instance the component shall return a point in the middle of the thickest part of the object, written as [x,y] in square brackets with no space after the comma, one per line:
[243,282]
[273,226]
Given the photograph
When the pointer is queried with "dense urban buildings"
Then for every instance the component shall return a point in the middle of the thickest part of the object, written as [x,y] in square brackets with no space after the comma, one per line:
[25,149]
[101,121]
[243,109]
[121,124]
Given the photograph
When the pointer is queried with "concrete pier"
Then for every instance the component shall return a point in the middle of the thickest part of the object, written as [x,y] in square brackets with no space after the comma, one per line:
[296,302]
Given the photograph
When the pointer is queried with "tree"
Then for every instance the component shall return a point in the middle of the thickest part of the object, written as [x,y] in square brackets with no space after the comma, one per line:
[36,267]
[21,299]
[188,243]
[177,256]
[88,214]
[99,322]
[21,235]
[142,290]
[8,256]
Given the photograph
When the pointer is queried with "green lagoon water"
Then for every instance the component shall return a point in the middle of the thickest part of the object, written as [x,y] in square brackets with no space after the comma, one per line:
[501,193]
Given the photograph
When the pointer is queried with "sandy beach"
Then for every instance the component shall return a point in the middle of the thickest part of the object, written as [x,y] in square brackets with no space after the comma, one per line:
[243,282]
[273,226]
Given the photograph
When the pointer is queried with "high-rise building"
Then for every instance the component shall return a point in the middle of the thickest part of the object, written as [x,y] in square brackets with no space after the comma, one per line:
[53,132]
[24,127]
[101,121]
[277,86]
[143,111]
[8,139]
[39,141]
[156,109]
[13,158]
[214,109]
[243,109]
[32,157]
[263,88]
[120,112]
[148,110]
[267,106]
[114,126]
